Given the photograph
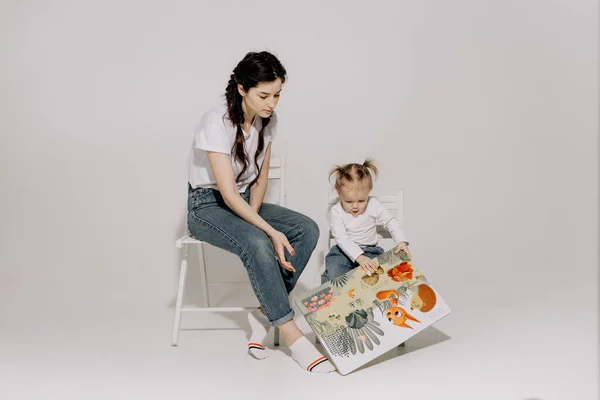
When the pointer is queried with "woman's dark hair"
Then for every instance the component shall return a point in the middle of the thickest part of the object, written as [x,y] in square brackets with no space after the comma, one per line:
[254,69]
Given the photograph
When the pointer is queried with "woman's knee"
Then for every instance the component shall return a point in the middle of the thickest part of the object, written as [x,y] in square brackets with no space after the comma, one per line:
[259,247]
[311,229]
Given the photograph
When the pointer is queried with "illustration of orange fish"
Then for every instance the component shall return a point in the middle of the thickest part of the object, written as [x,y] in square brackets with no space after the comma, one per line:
[385,294]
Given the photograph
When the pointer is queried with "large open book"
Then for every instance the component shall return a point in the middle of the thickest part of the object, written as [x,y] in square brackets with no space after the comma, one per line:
[358,317]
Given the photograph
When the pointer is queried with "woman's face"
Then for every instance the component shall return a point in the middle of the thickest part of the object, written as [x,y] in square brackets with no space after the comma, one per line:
[261,99]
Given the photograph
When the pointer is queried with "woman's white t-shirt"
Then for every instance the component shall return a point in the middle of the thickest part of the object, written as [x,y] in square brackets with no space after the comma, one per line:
[217,133]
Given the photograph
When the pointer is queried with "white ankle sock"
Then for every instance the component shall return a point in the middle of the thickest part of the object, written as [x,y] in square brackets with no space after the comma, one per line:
[309,358]
[259,326]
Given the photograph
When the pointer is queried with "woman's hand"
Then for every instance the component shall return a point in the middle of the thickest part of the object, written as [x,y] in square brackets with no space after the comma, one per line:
[404,247]
[368,265]
[280,243]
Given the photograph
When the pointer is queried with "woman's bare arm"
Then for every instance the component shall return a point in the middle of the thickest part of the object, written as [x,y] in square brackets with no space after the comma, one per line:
[222,169]
[258,190]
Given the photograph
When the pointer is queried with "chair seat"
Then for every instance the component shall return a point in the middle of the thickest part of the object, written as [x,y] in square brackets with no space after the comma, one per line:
[187,239]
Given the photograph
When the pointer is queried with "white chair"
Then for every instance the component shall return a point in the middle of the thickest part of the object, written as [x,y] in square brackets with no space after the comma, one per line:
[276,172]
[394,204]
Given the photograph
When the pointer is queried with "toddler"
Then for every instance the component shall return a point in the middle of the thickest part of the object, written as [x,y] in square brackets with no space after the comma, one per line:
[354,221]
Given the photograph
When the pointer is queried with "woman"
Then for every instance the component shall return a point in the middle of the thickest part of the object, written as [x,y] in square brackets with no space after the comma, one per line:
[228,178]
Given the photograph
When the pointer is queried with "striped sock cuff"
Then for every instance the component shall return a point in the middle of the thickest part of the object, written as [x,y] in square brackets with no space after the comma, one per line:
[318,361]
[258,346]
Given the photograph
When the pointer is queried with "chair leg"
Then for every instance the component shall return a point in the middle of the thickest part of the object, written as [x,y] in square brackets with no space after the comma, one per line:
[203,274]
[276,337]
[179,301]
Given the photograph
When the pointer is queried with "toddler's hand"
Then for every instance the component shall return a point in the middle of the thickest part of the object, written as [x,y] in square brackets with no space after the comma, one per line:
[368,265]
[404,247]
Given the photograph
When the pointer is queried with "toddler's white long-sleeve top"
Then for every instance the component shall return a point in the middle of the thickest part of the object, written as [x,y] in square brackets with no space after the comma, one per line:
[352,231]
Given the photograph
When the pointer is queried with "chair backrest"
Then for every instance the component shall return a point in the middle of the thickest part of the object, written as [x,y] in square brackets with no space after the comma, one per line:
[394,204]
[277,171]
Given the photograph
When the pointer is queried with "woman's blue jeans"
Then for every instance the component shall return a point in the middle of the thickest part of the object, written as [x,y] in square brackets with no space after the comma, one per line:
[212,221]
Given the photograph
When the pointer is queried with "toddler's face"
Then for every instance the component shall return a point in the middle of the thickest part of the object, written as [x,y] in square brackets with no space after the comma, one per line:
[354,197]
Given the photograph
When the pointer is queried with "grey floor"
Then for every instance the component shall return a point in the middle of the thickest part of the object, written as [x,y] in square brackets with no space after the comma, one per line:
[515,350]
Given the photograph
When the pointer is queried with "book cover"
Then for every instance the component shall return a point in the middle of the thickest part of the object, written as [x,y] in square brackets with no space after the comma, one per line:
[358,317]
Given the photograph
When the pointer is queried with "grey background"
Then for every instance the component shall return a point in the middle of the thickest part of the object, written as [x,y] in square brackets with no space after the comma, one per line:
[484,113]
